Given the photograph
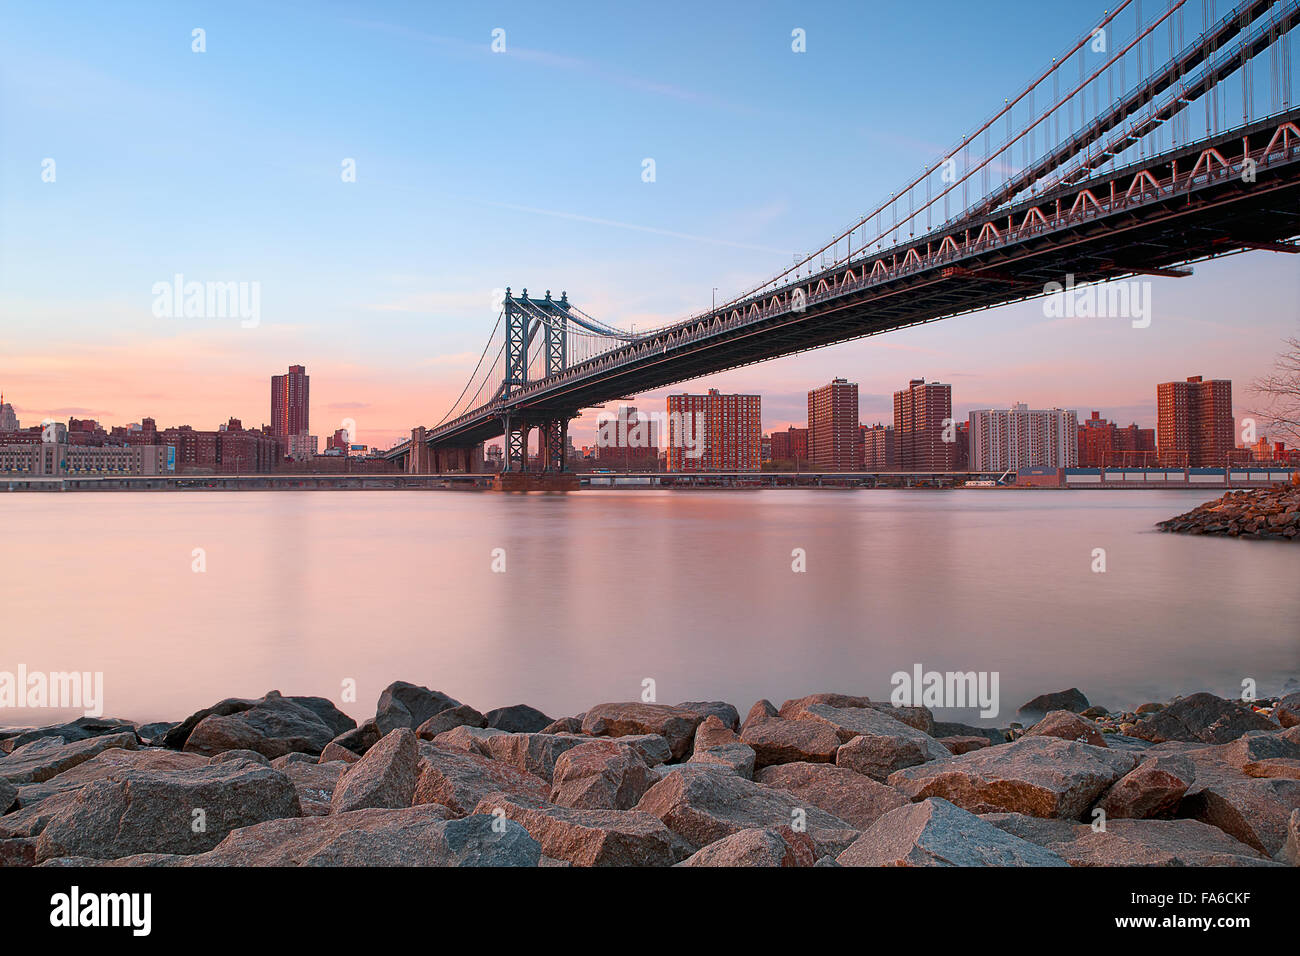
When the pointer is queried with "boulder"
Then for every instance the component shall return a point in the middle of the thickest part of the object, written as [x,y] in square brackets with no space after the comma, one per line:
[677,726]
[1131,842]
[738,758]
[1068,726]
[944,728]
[1151,789]
[602,774]
[847,794]
[564,725]
[48,756]
[225,755]
[335,752]
[315,783]
[450,719]
[383,779]
[360,740]
[409,705]
[936,833]
[154,733]
[877,755]
[717,744]
[273,726]
[459,779]
[318,707]
[412,836]
[8,795]
[918,718]
[963,745]
[702,806]
[103,765]
[586,837]
[284,760]
[1039,776]
[652,748]
[794,709]
[720,709]
[29,821]
[156,811]
[518,719]
[473,739]
[883,721]
[531,753]
[17,851]
[776,740]
[755,847]
[1201,717]
[1071,700]
[83,728]
[1263,754]
[1287,710]
[325,711]
[712,732]
[1253,811]
[762,710]
[1290,854]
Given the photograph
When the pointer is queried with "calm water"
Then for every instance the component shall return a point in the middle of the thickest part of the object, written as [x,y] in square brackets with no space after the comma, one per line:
[603,589]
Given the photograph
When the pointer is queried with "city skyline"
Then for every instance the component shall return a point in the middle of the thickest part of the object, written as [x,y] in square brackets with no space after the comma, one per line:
[392,325]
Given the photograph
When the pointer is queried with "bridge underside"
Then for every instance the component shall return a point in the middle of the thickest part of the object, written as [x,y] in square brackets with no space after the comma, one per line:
[951,272]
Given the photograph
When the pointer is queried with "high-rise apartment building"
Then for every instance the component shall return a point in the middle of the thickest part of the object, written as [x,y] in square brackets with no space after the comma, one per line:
[1023,437]
[729,428]
[833,426]
[922,420]
[879,450]
[1194,424]
[290,403]
[1102,444]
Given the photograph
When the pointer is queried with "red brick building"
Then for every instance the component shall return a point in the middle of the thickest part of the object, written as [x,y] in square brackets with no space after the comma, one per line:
[1194,423]
[290,402]
[921,412]
[790,445]
[1103,444]
[833,426]
[879,450]
[732,432]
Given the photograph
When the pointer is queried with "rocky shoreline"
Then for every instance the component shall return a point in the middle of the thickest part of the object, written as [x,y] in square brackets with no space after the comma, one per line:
[822,780]
[1272,513]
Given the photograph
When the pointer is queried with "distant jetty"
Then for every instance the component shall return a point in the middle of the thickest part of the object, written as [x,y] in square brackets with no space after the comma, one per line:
[1272,513]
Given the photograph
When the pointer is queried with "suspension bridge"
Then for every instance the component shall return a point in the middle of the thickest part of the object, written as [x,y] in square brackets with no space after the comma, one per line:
[1153,142]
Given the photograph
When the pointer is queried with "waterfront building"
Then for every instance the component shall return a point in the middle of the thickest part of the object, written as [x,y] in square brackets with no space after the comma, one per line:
[790,445]
[833,426]
[730,427]
[8,419]
[1021,437]
[922,415]
[879,449]
[291,406]
[1194,424]
[61,459]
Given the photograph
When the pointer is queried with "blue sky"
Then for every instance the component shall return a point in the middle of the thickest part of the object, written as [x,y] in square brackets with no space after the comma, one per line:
[477,170]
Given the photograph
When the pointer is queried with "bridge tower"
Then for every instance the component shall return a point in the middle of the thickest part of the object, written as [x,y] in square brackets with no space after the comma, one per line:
[523,317]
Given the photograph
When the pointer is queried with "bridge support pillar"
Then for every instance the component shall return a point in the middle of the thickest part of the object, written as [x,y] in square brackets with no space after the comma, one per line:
[419,461]
[555,444]
[516,444]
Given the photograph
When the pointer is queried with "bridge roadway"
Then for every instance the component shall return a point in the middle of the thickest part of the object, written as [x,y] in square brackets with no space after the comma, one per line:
[1232,192]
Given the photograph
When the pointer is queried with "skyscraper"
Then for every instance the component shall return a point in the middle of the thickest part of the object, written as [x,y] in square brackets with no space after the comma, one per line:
[1194,424]
[833,426]
[921,413]
[290,403]
[731,427]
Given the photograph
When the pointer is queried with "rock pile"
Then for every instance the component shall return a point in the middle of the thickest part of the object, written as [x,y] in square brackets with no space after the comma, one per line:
[1270,513]
[823,780]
